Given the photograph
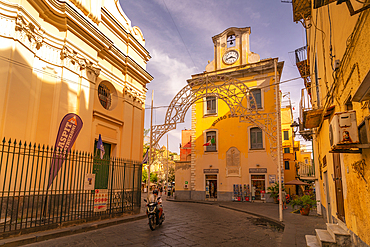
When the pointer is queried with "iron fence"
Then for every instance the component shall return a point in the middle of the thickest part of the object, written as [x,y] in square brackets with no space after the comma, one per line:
[28,203]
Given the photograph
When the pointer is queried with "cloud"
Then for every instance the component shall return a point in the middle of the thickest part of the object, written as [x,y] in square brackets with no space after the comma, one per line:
[171,73]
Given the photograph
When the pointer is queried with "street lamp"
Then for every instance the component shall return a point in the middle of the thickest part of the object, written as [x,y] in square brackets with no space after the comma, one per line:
[295,127]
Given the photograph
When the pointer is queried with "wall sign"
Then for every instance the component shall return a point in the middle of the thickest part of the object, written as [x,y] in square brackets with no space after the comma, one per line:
[210,170]
[257,170]
[89,183]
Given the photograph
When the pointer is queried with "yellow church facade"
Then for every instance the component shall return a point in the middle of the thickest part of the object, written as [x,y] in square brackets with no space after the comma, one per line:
[81,57]
[232,159]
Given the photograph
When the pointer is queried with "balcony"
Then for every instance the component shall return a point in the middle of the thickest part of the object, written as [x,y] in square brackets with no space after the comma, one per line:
[303,65]
[301,9]
[309,117]
[306,171]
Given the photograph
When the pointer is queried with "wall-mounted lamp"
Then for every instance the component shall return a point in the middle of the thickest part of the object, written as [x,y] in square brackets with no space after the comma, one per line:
[295,127]
[258,165]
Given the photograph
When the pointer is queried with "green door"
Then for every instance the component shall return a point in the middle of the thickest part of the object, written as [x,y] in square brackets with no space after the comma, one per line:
[101,166]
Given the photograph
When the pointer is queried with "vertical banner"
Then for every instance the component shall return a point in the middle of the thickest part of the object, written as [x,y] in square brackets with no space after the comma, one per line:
[69,129]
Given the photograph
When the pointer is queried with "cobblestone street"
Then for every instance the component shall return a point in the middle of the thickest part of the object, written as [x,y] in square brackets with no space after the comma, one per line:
[186,224]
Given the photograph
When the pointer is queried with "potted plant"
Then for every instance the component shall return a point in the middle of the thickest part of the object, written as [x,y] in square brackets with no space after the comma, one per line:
[273,190]
[304,203]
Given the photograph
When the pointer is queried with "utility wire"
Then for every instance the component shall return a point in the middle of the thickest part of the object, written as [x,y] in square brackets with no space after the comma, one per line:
[180,34]
[146,106]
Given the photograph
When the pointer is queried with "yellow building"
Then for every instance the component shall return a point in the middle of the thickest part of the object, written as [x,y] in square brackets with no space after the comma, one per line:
[289,157]
[227,151]
[82,57]
[335,108]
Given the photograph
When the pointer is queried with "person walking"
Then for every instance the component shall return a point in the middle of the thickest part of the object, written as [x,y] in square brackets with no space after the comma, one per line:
[283,195]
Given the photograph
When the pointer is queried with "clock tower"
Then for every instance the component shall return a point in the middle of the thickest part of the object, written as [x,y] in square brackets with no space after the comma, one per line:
[231,48]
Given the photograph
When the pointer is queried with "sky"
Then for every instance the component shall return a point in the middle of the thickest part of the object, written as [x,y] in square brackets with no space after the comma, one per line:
[178,35]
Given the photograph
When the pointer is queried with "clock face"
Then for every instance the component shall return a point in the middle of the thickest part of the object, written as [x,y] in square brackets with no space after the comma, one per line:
[230,57]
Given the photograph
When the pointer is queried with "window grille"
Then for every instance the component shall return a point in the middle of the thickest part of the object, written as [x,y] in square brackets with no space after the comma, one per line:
[104,96]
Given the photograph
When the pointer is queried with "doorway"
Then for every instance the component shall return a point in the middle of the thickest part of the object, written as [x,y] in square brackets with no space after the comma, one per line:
[258,181]
[211,187]
[326,190]
[101,166]
[338,186]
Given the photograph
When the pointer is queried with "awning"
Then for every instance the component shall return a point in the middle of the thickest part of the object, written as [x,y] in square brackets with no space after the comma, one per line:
[363,91]
[296,182]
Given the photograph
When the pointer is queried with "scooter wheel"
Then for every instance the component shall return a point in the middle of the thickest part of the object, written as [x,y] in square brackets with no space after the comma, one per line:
[152,223]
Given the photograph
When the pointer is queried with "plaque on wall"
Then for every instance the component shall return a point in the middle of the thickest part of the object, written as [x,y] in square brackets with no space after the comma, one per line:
[210,170]
[257,170]
[233,162]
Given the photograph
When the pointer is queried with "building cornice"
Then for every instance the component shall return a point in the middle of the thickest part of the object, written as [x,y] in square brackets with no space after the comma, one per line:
[128,37]
[65,17]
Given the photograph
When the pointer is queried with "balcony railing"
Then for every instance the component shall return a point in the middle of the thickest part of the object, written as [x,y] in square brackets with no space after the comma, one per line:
[305,170]
[303,65]
[309,117]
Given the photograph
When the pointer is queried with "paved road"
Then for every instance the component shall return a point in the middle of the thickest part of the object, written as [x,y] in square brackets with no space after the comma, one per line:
[186,224]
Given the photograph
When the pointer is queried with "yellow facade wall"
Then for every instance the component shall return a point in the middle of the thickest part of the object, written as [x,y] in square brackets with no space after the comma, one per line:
[348,37]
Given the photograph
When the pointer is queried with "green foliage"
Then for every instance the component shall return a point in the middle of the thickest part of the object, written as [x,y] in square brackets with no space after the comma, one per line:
[303,202]
[273,190]
[153,177]
[171,174]
[144,175]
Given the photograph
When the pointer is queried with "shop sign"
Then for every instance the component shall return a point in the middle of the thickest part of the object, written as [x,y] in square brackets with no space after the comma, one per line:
[272,179]
[210,170]
[257,170]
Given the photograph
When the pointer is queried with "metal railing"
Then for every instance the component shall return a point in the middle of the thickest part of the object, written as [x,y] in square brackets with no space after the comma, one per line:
[28,204]
[306,170]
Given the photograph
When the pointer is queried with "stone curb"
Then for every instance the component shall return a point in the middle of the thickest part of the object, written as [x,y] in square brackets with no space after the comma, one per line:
[62,232]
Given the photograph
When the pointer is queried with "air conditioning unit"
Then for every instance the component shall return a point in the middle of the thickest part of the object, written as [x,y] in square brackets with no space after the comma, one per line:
[343,129]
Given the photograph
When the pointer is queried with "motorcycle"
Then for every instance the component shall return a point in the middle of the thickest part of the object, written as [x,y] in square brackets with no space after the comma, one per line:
[154,211]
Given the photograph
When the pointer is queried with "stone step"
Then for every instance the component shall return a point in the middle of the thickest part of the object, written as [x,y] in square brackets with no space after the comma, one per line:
[324,238]
[312,241]
[341,237]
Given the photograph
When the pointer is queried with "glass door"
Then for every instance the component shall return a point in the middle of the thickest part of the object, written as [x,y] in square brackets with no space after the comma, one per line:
[258,181]
[211,187]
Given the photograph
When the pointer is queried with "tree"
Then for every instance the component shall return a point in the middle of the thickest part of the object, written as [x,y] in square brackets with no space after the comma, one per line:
[153,177]
[144,175]
[171,174]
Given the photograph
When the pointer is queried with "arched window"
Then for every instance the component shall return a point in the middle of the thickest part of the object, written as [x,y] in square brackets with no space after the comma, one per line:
[256,138]
[105,97]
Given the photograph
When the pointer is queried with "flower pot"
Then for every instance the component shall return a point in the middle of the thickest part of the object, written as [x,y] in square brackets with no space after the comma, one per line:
[305,211]
[276,200]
